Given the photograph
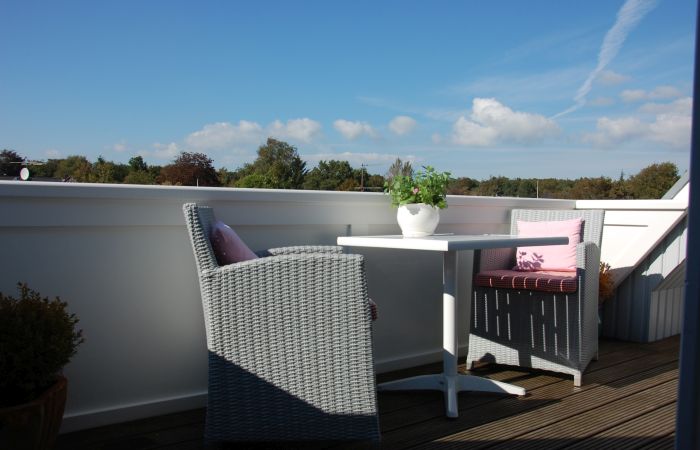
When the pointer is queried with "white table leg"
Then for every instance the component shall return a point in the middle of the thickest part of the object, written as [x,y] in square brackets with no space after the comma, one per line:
[449,330]
[449,381]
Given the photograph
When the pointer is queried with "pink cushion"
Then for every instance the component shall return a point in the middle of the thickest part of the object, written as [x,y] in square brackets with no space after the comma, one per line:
[549,257]
[564,282]
[228,247]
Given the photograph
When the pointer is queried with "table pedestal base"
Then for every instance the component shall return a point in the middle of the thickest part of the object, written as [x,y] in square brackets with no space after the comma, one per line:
[450,385]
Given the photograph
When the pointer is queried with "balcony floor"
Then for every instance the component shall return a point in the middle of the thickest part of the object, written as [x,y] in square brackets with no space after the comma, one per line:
[628,400]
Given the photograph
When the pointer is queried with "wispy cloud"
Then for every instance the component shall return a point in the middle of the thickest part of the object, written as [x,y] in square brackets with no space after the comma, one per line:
[670,126]
[304,130]
[491,123]
[164,151]
[658,93]
[402,125]
[353,130]
[221,135]
[227,135]
[631,13]
[610,78]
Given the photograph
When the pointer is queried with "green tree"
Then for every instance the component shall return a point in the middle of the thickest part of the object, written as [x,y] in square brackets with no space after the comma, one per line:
[190,169]
[462,186]
[137,163]
[74,168]
[591,189]
[10,163]
[653,181]
[397,168]
[278,166]
[329,176]
[139,177]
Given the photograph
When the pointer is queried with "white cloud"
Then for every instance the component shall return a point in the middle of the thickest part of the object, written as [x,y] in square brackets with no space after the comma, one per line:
[119,147]
[671,126]
[633,95]
[682,106]
[402,125]
[601,101]
[491,122]
[614,131]
[436,138]
[353,130]
[671,129]
[301,129]
[658,93]
[610,78]
[631,13]
[166,151]
[664,92]
[224,134]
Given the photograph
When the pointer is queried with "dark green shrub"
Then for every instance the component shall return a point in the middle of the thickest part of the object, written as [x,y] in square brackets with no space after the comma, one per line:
[37,338]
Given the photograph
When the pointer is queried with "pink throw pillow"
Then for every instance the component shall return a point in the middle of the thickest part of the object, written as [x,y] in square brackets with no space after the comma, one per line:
[228,247]
[559,258]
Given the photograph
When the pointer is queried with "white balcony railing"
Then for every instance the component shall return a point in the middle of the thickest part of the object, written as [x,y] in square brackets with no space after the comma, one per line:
[120,256]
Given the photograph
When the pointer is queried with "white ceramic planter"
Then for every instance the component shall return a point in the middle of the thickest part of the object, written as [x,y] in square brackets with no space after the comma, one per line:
[418,219]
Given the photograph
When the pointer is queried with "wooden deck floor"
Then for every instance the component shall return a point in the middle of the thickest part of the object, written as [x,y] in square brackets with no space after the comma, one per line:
[628,401]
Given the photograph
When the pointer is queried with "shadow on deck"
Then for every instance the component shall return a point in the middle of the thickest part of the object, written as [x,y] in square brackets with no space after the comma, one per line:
[627,401]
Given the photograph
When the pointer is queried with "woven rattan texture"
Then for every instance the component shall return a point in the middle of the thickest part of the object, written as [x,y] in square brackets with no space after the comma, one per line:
[551,331]
[289,340]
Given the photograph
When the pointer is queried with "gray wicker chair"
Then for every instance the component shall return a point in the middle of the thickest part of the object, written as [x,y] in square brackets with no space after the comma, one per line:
[541,330]
[289,340]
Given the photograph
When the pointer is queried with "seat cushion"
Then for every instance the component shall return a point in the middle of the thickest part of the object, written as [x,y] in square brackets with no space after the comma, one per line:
[548,257]
[228,247]
[563,282]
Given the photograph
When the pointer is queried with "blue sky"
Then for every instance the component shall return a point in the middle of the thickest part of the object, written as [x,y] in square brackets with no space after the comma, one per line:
[521,89]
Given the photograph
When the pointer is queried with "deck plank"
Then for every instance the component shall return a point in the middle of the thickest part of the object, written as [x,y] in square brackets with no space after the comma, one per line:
[627,401]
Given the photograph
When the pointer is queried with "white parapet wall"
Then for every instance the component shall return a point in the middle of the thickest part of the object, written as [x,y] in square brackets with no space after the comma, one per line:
[121,258]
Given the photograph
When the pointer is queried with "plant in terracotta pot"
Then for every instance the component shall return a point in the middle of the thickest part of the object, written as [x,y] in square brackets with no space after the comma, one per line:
[419,198]
[37,339]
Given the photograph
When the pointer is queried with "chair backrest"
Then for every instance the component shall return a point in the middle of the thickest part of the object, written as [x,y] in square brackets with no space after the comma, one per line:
[592,220]
[199,220]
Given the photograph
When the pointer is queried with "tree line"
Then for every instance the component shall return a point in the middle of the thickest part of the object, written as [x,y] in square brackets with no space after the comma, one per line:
[279,166]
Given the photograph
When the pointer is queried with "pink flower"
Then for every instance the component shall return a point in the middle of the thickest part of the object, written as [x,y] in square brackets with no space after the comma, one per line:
[415,190]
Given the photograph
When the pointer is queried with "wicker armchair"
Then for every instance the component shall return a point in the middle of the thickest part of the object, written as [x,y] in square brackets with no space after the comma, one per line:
[289,340]
[541,330]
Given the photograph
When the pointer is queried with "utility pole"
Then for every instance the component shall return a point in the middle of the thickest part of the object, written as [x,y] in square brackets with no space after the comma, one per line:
[362,177]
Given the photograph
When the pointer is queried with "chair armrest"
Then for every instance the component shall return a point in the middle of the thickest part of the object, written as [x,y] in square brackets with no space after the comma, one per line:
[496,258]
[300,249]
[322,294]
[588,268]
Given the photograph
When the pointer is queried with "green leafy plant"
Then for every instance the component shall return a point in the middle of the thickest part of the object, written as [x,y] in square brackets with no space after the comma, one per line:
[426,186]
[37,339]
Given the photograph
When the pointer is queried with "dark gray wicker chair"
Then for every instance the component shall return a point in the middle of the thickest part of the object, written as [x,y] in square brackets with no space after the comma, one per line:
[542,330]
[289,340]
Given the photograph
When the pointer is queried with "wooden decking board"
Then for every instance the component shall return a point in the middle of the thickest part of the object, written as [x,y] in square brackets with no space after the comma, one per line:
[552,414]
[136,428]
[627,401]
[661,443]
[429,405]
[437,428]
[642,431]
[587,424]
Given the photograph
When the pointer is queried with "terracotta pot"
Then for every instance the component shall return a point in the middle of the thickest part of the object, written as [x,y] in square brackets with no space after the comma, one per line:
[34,425]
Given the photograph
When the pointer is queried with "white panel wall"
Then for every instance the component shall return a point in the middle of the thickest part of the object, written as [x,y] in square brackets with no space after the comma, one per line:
[121,257]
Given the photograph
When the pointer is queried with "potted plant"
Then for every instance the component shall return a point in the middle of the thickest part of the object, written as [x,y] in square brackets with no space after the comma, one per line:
[606,291]
[419,198]
[37,339]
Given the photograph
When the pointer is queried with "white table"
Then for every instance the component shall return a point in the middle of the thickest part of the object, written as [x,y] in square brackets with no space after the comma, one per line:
[449,381]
